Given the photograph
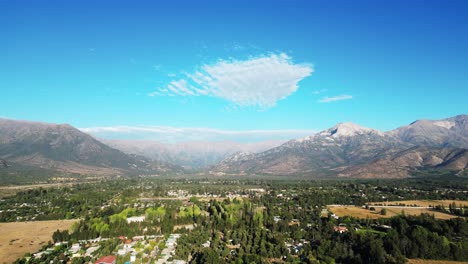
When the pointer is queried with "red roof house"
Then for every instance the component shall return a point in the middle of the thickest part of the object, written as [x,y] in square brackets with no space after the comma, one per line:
[106,260]
[341,229]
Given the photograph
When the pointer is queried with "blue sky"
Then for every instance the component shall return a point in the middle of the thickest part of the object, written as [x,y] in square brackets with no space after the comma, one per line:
[233,66]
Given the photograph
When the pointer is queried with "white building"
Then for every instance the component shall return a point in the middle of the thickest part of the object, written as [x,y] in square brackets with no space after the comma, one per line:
[75,248]
[136,219]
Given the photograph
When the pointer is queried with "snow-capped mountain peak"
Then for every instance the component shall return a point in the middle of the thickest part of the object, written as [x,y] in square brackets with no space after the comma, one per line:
[444,123]
[348,129]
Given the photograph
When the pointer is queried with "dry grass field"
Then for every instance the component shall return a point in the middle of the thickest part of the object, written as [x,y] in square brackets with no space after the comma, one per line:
[425,203]
[7,192]
[18,238]
[425,261]
[360,212]
[353,211]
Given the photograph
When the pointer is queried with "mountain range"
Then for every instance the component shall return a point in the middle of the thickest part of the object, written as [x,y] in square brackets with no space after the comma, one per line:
[345,150]
[350,150]
[66,149]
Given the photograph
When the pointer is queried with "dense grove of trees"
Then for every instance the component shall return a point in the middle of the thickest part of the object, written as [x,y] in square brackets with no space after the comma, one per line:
[240,237]
[454,209]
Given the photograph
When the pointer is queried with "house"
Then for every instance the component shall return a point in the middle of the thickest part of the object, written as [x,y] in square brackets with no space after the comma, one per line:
[341,229]
[128,244]
[259,190]
[295,222]
[127,247]
[276,218]
[207,244]
[75,248]
[298,247]
[90,250]
[39,255]
[106,260]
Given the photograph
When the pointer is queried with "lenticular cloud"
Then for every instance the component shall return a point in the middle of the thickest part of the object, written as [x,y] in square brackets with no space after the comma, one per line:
[257,82]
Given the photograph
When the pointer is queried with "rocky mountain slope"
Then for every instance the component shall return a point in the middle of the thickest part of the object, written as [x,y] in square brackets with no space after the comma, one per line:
[320,154]
[449,132]
[409,161]
[349,150]
[65,148]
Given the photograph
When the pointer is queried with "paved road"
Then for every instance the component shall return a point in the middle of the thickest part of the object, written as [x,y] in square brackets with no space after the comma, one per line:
[382,206]
[398,206]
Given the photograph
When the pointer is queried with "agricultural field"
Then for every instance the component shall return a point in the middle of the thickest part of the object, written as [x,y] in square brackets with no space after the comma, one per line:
[19,238]
[4,192]
[359,212]
[354,211]
[424,203]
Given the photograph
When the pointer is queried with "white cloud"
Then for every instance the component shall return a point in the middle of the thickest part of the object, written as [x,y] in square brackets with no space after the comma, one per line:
[155,93]
[319,91]
[257,82]
[181,88]
[335,98]
[178,134]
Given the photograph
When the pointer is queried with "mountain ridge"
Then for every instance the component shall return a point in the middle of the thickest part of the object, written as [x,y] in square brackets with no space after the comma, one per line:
[350,150]
[344,150]
[449,132]
[64,148]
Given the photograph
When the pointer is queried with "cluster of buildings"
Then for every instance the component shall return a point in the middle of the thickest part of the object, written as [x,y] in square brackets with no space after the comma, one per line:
[169,251]
[75,251]
[295,247]
[130,247]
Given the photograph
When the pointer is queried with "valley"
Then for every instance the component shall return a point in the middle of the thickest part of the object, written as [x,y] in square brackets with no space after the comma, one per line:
[240,219]
[348,194]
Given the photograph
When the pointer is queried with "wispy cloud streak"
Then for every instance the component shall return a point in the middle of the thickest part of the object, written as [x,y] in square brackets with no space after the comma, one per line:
[335,98]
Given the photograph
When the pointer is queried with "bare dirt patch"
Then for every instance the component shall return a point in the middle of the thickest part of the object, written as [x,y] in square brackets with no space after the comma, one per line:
[19,238]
